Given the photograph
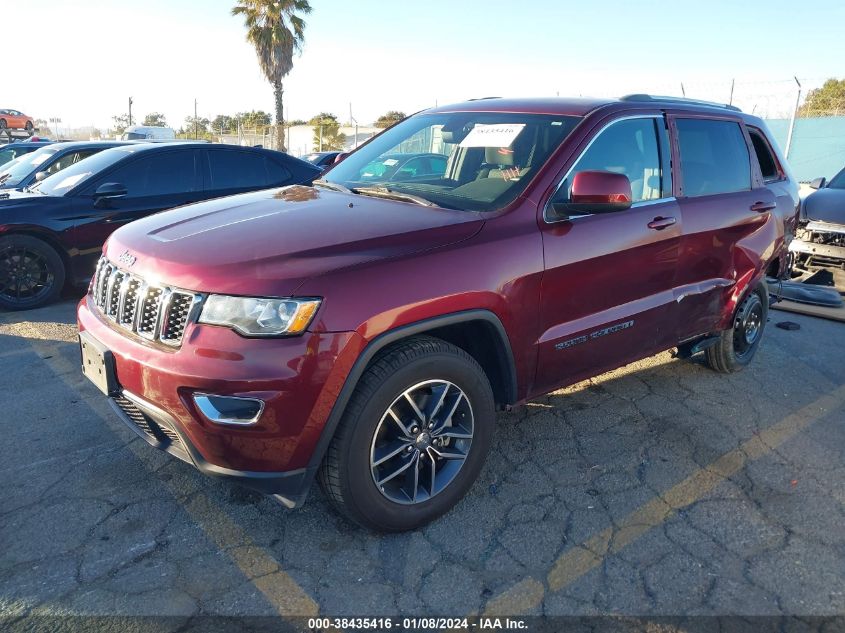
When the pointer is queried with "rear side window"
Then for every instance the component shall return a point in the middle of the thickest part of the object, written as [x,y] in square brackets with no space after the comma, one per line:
[239,170]
[765,157]
[157,174]
[714,157]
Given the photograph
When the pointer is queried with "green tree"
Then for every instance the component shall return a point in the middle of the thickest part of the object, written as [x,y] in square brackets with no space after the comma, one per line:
[257,120]
[224,123]
[195,128]
[155,119]
[829,100]
[121,122]
[276,29]
[323,117]
[327,134]
[390,118]
[298,122]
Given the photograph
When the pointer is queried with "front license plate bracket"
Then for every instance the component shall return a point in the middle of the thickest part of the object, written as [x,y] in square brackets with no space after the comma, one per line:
[98,364]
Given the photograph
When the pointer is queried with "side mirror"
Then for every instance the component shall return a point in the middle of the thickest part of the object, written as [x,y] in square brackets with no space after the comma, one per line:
[818,183]
[41,175]
[340,157]
[110,190]
[596,192]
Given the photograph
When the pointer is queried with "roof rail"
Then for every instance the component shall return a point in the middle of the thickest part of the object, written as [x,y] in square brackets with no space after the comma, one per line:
[482,98]
[646,98]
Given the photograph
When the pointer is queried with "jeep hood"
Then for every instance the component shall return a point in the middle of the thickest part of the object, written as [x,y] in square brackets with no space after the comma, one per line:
[826,205]
[269,242]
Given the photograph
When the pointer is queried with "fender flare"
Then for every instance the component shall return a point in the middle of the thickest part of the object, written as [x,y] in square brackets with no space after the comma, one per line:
[740,291]
[379,343]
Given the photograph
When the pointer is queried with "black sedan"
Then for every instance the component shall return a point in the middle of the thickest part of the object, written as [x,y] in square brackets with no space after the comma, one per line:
[820,238]
[53,232]
[48,160]
[11,151]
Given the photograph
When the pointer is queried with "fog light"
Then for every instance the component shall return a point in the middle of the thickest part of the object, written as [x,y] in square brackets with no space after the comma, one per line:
[229,409]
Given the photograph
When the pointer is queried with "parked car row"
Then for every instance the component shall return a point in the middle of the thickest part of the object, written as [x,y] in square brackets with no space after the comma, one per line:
[363,331]
[64,200]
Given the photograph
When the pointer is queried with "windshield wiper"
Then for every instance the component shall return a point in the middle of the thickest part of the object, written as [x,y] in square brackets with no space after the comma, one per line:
[4,178]
[325,184]
[384,192]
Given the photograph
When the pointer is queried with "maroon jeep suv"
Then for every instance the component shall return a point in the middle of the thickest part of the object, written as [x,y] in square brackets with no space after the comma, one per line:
[365,330]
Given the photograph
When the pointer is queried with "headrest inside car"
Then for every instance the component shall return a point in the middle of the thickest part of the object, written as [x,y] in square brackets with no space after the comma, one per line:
[498,156]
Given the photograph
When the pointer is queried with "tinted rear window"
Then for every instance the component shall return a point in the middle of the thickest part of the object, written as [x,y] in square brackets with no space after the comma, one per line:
[714,157]
[234,170]
[765,157]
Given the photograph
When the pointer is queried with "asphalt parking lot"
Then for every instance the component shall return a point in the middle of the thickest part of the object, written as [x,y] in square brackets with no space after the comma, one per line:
[661,488]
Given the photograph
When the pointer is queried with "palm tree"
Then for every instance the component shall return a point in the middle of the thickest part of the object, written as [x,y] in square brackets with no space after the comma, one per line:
[276,30]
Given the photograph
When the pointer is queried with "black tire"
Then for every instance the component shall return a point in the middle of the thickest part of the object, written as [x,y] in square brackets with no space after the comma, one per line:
[350,468]
[32,273]
[28,126]
[2,124]
[738,344]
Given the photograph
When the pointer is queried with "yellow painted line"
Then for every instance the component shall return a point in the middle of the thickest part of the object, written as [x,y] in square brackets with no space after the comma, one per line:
[256,563]
[578,561]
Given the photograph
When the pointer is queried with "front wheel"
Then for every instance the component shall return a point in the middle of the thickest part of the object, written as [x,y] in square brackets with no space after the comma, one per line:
[738,344]
[28,126]
[31,273]
[3,124]
[413,438]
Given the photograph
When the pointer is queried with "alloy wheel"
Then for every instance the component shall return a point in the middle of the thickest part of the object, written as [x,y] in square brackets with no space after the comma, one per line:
[24,274]
[421,442]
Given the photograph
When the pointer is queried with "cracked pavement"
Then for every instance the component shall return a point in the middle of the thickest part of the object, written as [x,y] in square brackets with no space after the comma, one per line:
[661,488]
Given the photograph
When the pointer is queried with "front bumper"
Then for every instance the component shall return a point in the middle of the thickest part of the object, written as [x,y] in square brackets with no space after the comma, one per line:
[298,379]
[823,252]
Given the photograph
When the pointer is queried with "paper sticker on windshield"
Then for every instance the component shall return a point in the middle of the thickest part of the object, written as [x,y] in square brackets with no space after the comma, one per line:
[70,181]
[390,162]
[497,135]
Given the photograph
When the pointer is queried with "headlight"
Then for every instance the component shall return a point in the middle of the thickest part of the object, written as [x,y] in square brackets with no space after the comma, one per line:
[256,316]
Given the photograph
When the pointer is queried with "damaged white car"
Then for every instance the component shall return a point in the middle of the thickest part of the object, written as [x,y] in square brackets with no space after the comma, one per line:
[820,238]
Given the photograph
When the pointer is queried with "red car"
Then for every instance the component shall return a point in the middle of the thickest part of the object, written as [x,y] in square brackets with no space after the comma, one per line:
[15,120]
[365,332]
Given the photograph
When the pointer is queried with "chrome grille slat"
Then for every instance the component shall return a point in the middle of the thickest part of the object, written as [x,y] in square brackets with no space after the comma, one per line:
[156,313]
[113,294]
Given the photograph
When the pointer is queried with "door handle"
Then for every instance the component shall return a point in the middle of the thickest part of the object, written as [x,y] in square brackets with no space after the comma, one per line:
[659,223]
[762,207]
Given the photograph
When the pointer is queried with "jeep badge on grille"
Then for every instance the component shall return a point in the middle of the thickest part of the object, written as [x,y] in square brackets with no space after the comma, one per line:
[127,259]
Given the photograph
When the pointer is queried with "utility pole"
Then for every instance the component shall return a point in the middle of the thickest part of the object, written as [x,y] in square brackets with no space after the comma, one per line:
[792,119]
[130,110]
[196,130]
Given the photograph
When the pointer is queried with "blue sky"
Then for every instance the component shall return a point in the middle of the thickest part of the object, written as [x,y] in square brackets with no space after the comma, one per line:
[91,55]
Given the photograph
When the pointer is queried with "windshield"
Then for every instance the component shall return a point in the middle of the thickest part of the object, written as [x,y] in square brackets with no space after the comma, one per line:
[61,182]
[133,136]
[838,181]
[475,161]
[18,169]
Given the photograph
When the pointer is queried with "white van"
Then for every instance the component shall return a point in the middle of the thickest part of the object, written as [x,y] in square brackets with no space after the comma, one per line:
[147,132]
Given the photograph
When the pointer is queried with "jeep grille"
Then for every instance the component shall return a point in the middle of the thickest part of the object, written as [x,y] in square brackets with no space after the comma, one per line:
[155,312]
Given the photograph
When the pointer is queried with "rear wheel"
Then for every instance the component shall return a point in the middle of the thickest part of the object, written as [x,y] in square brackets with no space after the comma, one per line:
[413,438]
[737,345]
[31,273]
[2,124]
[28,126]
